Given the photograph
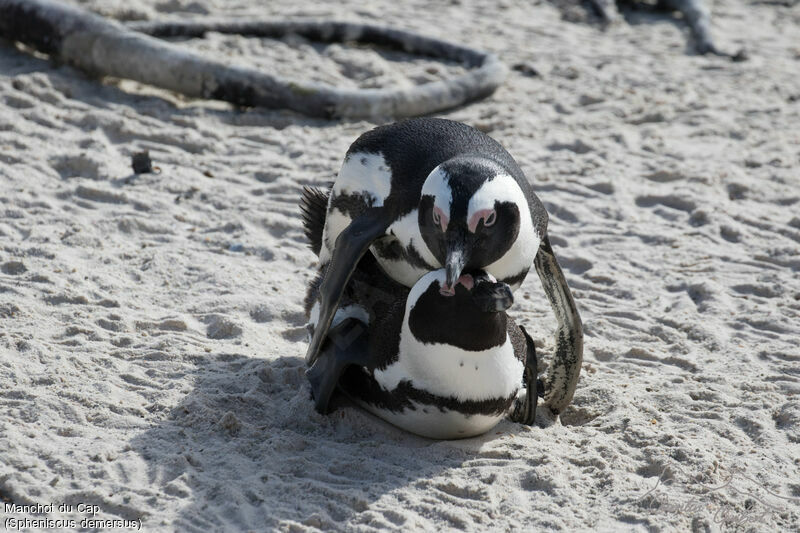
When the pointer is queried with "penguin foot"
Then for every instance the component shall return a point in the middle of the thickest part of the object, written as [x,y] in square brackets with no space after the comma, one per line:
[524,411]
[525,404]
[323,383]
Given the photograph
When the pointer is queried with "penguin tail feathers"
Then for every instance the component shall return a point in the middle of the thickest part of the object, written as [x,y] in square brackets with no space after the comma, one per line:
[314,206]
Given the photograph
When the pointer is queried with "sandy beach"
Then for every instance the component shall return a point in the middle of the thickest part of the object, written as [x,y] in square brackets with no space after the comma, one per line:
[152,329]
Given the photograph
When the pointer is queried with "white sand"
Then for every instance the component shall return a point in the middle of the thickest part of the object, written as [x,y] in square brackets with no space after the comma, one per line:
[151,335]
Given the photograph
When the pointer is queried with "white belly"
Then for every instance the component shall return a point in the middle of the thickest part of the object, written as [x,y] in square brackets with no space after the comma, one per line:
[448,371]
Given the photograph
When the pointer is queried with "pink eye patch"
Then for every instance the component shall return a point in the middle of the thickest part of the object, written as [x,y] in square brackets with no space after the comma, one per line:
[439,218]
[489,216]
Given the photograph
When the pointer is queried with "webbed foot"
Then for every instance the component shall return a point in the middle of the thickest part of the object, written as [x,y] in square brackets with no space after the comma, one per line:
[524,411]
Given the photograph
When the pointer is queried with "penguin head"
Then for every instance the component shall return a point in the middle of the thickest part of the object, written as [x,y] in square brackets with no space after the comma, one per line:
[469,214]
[476,292]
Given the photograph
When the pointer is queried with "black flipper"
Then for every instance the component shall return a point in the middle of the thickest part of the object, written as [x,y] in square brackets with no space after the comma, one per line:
[562,375]
[347,345]
[314,205]
[525,408]
[350,246]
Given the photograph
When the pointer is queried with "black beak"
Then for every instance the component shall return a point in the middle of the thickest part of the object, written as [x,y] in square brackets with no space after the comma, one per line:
[457,256]
[454,266]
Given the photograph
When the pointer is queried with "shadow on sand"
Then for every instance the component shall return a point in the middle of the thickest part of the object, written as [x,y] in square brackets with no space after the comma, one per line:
[246,450]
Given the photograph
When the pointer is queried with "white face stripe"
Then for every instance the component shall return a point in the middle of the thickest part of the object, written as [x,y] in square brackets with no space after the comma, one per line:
[422,285]
[503,188]
[437,184]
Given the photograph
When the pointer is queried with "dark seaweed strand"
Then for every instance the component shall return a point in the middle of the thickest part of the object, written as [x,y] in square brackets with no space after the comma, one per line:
[24,23]
[357,383]
[77,37]
[485,74]
[321,31]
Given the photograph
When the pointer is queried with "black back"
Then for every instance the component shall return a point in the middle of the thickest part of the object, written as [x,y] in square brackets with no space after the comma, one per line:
[414,147]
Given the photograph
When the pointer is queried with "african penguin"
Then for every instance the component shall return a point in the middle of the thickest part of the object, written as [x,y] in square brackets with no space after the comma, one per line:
[457,370]
[425,194]
[437,364]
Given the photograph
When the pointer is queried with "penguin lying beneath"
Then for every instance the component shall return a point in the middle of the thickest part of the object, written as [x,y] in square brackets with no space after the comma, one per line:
[424,194]
[442,360]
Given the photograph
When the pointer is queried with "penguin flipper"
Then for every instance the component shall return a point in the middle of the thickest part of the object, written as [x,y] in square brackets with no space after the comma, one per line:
[566,366]
[525,406]
[350,246]
[347,345]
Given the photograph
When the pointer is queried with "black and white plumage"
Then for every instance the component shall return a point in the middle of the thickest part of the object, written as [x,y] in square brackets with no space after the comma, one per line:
[425,194]
[447,380]
[437,364]
[414,171]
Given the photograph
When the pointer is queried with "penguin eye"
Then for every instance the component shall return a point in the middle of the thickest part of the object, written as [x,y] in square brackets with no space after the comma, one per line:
[491,219]
[436,219]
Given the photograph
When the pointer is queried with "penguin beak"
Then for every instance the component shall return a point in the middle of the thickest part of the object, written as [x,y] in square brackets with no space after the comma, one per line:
[454,266]
[457,257]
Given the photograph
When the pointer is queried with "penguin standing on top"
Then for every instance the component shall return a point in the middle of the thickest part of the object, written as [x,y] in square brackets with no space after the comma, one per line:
[439,363]
[426,194]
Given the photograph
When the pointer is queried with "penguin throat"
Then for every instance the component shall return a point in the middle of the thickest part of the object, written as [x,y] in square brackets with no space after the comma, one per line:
[455,320]
[466,280]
